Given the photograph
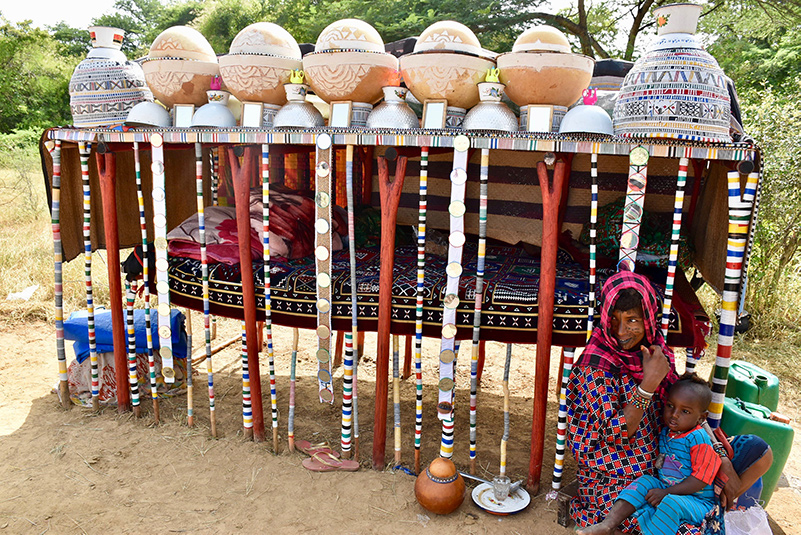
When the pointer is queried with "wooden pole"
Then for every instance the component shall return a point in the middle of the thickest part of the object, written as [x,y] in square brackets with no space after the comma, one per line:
[241,175]
[107,170]
[390,192]
[551,195]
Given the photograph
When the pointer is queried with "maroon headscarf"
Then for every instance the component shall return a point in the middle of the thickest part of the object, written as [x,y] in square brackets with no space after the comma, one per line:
[602,351]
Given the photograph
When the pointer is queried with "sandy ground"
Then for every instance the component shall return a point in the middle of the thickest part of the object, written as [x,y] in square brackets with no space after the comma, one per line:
[80,472]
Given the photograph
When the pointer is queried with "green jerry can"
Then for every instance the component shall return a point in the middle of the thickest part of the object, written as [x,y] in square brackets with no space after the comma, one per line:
[751,383]
[743,418]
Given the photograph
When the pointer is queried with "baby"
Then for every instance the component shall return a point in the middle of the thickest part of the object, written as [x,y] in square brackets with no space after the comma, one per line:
[687,465]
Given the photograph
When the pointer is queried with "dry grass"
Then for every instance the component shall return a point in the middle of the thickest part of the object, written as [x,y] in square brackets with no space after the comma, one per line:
[26,254]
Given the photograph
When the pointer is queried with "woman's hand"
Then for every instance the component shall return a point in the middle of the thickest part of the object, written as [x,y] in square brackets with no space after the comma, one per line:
[732,486]
[654,496]
[655,367]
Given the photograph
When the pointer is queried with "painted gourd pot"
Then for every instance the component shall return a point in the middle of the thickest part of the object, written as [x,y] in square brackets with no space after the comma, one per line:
[105,86]
[677,89]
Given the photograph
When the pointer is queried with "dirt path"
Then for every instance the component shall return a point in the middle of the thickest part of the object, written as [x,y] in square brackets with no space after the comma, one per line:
[79,472]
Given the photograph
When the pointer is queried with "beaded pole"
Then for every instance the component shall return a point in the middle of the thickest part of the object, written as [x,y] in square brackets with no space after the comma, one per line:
[482,250]
[593,245]
[633,208]
[133,379]
[215,201]
[162,265]
[740,207]
[87,272]
[678,205]
[204,266]
[290,432]
[151,361]
[454,271]
[351,360]
[418,325]
[506,396]
[268,322]
[396,395]
[58,279]
[190,387]
[322,254]
[247,404]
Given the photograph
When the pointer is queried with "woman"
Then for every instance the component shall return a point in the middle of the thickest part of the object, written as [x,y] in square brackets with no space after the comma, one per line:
[614,399]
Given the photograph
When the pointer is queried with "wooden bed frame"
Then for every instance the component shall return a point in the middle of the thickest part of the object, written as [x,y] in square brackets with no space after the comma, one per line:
[720,212]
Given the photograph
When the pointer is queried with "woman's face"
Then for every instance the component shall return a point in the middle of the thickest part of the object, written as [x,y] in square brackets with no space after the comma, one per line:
[628,328]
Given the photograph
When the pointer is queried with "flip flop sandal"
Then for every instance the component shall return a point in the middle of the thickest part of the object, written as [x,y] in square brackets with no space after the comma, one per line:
[325,462]
[310,449]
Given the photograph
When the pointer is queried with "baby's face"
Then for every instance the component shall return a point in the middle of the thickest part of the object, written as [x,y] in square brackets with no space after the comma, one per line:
[682,410]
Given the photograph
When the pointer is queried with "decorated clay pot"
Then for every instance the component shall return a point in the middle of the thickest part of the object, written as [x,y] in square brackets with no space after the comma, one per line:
[180,81]
[182,42]
[551,78]
[440,488]
[259,62]
[676,89]
[105,86]
[677,18]
[445,75]
[350,75]
[257,78]
[447,63]
[349,34]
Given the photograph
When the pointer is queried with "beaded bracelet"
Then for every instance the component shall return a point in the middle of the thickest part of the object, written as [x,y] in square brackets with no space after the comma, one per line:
[639,401]
[720,449]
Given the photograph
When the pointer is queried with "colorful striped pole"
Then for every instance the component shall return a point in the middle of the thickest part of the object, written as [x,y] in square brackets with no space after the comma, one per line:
[396,395]
[268,322]
[133,379]
[190,387]
[418,325]
[351,360]
[678,205]
[247,405]
[453,270]
[215,188]
[151,361]
[482,250]
[58,290]
[204,263]
[593,245]
[291,417]
[739,218]
[87,272]
[506,396]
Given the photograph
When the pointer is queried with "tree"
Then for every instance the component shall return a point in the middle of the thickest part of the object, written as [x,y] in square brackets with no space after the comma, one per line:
[34,78]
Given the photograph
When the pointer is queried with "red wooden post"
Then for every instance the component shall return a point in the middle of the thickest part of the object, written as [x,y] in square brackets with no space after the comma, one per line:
[107,171]
[241,176]
[390,198]
[551,196]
